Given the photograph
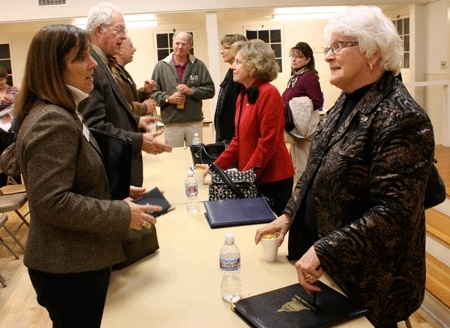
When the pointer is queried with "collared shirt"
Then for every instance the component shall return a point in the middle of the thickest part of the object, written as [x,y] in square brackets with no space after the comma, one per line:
[78,95]
[180,70]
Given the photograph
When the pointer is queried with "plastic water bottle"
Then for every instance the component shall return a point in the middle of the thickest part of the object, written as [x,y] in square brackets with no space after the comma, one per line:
[196,141]
[230,264]
[191,188]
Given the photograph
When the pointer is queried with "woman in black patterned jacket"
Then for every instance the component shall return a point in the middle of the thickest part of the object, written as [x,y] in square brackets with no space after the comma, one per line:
[357,212]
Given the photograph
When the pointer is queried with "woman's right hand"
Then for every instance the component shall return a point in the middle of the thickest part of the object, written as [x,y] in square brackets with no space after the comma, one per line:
[280,225]
[139,215]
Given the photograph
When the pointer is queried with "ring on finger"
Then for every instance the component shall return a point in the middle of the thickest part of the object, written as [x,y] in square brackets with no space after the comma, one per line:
[309,277]
[144,223]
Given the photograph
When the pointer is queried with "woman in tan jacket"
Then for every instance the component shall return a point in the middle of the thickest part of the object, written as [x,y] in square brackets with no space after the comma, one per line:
[75,229]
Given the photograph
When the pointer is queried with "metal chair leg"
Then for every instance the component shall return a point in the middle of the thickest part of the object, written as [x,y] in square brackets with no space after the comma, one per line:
[408,323]
[14,237]
[2,281]
[9,248]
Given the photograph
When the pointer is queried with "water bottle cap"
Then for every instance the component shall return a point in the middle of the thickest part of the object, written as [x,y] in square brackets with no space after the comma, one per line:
[190,173]
[229,238]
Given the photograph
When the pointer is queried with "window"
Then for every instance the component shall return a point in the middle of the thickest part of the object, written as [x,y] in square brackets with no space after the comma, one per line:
[164,44]
[5,61]
[402,25]
[271,37]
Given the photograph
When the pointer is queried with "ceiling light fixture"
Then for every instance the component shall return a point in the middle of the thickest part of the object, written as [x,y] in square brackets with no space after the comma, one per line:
[306,13]
[132,21]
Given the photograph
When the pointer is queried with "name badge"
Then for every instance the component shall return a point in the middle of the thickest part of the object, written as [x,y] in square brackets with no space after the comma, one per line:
[86,132]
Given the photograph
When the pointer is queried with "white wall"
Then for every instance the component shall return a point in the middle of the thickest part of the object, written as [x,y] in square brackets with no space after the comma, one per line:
[430,50]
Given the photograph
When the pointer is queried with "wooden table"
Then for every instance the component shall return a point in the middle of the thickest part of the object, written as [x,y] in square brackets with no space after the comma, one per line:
[179,285]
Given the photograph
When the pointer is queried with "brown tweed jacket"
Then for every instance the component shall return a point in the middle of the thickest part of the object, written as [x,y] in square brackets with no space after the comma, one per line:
[370,177]
[73,225]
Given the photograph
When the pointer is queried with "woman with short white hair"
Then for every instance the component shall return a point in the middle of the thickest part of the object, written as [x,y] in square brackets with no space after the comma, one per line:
[358,211]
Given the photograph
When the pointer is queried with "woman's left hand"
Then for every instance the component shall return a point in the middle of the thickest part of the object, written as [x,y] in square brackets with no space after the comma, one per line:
[309,270]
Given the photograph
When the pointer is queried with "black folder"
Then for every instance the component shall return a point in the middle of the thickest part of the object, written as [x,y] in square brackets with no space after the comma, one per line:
[116,151]
[155,197]
[291,307]
[236,212]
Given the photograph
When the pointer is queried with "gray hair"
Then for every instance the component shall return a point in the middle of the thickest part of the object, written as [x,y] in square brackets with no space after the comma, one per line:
[189,36]
[100,14]
[259,58]
[374,31]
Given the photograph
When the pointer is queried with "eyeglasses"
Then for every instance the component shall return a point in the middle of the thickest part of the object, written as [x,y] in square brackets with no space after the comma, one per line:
[296,56]
[338,45]
[119,30]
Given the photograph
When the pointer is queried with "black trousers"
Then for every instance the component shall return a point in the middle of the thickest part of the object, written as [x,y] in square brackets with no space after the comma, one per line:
[72,299]
[279,192]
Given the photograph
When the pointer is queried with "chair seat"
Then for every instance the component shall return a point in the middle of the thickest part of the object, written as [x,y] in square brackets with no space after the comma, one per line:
[12,189]
[12,202]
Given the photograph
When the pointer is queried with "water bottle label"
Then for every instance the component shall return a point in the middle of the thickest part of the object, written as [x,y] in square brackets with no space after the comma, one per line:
[230,265]
[192,189]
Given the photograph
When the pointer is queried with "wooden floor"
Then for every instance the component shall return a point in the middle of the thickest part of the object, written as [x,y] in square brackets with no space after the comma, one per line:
[18,306]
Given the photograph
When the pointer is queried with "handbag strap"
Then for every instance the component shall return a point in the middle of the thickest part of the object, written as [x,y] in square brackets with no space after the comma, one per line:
[203,149]
[227,180]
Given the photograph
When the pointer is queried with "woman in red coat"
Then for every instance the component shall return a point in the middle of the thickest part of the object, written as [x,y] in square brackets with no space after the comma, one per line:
[259,136]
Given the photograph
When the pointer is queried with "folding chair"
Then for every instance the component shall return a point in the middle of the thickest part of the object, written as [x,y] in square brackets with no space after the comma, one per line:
[13,202]
[3,219]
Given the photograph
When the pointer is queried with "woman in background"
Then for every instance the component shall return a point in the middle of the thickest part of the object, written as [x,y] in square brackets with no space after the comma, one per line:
[229,91]
[259,140]
[357,213]
[7,95]
[75,229]
[7,92]
[304,82]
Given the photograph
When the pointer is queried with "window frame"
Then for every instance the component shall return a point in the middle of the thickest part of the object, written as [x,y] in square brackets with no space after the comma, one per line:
[279,44]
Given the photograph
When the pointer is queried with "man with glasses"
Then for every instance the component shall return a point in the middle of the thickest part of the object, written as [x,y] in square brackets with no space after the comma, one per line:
[182,82]
[139,99]
[107,108]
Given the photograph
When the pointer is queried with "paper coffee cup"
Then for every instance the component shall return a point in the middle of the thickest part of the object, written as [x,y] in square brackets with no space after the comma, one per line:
[153,127]
[270,246]
[198,174]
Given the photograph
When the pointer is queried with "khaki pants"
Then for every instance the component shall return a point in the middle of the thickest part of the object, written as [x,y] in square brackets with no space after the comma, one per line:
[181,134]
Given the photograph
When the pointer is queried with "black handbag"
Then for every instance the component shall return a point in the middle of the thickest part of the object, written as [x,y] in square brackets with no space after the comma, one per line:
[231,184]
[9,163]
[205,154]
[139,244]
[136,248]
[435,191]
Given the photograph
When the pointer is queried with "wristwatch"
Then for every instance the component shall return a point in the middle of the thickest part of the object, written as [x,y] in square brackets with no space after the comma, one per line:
[167,99]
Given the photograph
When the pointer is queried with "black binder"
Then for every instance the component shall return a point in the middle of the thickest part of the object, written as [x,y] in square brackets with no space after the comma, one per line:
[155,197]
[116,151]
[291,306]
[236,212]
